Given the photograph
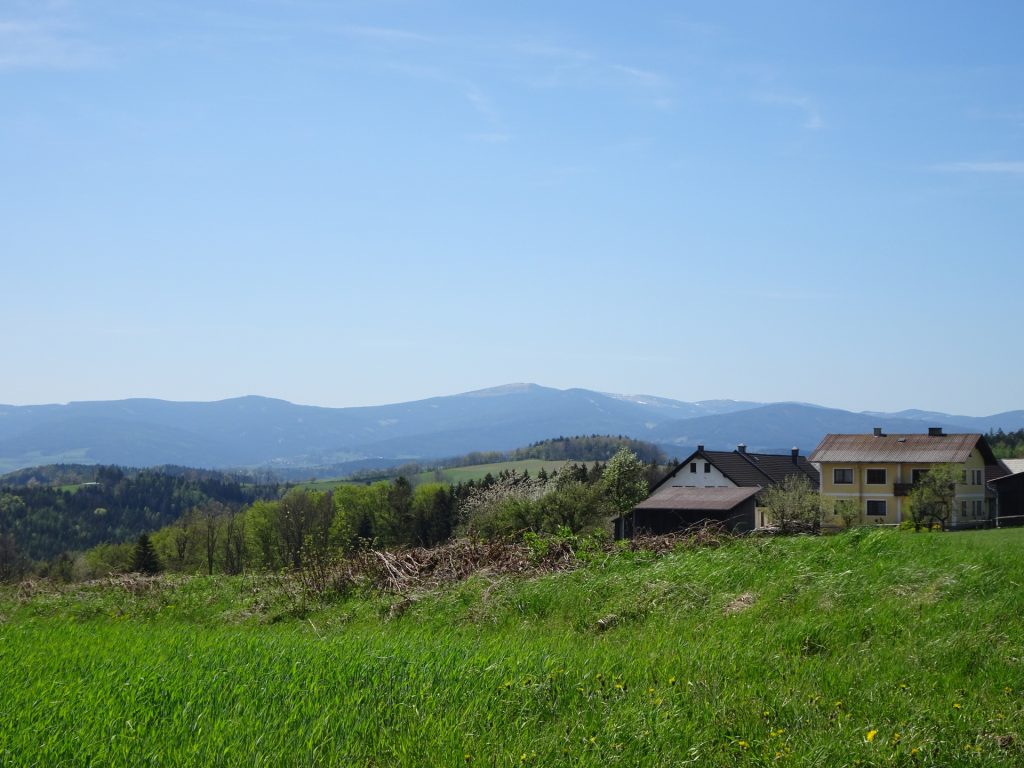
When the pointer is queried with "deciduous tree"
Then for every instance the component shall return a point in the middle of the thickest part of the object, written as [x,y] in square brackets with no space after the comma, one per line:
[932,497]
[793,505]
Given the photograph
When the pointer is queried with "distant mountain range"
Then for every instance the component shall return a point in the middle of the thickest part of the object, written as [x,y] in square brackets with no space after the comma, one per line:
[264,432]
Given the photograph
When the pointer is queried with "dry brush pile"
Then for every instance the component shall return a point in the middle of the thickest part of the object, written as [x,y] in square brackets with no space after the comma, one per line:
[424,569]
[406,574]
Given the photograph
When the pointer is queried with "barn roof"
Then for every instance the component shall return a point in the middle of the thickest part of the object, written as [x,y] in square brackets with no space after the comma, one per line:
[918,448]
[750,469]
[717,499]
[1013,466]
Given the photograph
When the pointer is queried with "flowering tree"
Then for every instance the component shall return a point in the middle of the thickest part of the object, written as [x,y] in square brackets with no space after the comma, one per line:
[625,481]
[793,505]
[932,497]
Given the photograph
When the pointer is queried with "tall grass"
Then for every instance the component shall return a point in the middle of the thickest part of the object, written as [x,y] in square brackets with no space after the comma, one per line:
[869,648]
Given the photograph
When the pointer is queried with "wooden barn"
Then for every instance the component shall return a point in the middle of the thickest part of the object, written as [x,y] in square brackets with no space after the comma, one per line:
[1009,493]
[675,509]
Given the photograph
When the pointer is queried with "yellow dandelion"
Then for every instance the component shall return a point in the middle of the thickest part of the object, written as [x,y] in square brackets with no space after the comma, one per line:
[957,705]
[671,681]
[871,735]
[743,744]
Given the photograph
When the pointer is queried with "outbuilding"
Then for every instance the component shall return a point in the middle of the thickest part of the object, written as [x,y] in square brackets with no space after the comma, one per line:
[678,508]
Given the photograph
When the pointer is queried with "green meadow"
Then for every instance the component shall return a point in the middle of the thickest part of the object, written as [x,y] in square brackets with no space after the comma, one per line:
[454,475]
[868,648]
[479,471]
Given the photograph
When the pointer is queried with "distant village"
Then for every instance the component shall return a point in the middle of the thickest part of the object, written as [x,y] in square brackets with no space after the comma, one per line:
[858,479]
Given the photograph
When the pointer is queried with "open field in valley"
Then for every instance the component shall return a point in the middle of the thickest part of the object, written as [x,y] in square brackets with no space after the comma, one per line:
[458,474]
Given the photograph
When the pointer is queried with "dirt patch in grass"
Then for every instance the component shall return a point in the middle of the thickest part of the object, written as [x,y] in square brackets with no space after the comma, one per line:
[740,604]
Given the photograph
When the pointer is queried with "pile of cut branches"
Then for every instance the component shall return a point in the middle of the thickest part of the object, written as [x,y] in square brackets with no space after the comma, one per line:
[419,569]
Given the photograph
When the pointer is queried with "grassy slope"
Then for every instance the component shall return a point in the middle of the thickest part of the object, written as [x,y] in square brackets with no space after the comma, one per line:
[479,471]
[871,648]
[457,474]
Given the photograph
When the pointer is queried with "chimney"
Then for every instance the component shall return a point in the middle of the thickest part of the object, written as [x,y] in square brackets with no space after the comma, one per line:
[878,432]
[934,431]
[795,453]
[700,448]
[742,447]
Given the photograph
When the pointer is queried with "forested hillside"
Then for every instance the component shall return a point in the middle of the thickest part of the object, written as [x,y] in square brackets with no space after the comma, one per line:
[584,448]
[1007,445]
[206,520]
[114,504]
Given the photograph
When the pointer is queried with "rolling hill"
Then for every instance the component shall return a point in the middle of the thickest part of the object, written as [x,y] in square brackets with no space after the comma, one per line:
[258,431]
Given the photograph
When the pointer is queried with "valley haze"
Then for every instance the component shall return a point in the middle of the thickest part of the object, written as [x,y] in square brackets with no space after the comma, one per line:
[255,431]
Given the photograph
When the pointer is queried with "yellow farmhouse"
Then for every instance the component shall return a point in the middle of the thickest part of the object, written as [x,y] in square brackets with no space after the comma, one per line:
[877,472]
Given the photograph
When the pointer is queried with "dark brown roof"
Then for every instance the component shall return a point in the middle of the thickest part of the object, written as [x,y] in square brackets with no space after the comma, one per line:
[997,470]
[925,449]
[749,469]
[717,499]
[1014,477]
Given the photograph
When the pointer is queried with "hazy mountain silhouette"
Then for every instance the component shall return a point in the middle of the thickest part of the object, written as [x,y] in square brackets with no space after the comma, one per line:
[260,431]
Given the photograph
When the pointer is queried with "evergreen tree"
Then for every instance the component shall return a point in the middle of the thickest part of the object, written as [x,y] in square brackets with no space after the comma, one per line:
[145,559]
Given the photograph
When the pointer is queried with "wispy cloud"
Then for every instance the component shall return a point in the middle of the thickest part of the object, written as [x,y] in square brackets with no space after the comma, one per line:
[1013,167]
[543,50]
[490,138]
[1013,116]
[558,66]
[42,45]
[641,76]
[457,61]
[387,34]
[481,103]
[813,121]
[497,133]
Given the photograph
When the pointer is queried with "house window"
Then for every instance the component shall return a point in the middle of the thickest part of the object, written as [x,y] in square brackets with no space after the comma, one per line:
[842,476]
[963,509]
[975,477]
[963,477]
[693,466]
[979,507]
[876,508]
[707,467]
[917,474]
[876,477]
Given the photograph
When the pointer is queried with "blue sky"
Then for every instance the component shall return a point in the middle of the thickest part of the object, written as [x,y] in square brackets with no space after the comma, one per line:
[349,203]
